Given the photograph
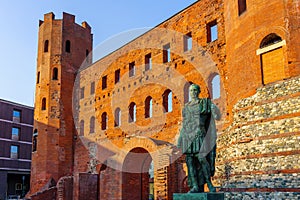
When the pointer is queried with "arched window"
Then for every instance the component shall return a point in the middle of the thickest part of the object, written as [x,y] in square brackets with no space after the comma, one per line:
[104,121]
[118,117]
[68,46]
[148,107]
[132,112]
[38,77]
[269,40]
[34,140]
[46,46]
[186,92]
[215,87]
[44,103]
[92,125]
[167,101]
[81,127]
[272,58]
[55,74]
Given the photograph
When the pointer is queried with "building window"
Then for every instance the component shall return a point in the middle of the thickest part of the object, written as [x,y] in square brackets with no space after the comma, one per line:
[68,46]
[46,46]
[82,93]
[55,74]
[16,115]
[15,133]
[167,101]
[132,112]
[272,58]
[212,31]
[104,120]
[38,77]
[242,5]
[34,140]
[117,117]
[14,152]
[187,42]
[87,53]
[166,53]
[92,88]
[148,107]
[131,69]
[186,92]
[92,125]
[44,103]
[104,82]
[117,76]
[148,62]
[81,127]
[215,87]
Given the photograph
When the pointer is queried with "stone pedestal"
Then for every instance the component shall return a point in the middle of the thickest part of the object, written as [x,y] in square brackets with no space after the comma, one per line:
[199,196]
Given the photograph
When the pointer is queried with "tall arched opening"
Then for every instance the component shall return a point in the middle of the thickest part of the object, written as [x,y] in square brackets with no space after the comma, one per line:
[136,175]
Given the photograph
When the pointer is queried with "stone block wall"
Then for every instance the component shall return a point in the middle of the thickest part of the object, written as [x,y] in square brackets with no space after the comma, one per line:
[260,151]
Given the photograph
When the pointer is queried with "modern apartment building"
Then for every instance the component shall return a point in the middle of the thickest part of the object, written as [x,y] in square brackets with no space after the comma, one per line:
[16,122]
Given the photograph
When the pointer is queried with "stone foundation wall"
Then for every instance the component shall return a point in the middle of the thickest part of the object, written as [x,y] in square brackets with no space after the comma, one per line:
[260,151]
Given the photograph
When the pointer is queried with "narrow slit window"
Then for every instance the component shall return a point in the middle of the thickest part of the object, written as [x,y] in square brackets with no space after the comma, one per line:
[68,46]
[92,88]
[242,6]
[117,117]
[132,112]
[55,74]
[46,46]
[34,140]
[38,77]
[104,82]
[44,103]
[92,125]
[104,121]
[148,107]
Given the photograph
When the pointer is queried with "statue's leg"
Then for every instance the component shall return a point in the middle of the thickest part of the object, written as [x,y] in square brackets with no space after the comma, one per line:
[192,173]
[206,173]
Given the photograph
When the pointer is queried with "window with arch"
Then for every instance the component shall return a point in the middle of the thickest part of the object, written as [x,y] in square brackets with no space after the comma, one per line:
[167,101]
[55,73]
[34,140]
[92,124]
[117,117]
[186,92]
[46,46]
[272,58]
[132,112]
[81,127]
[44,103]
[148,107]
[68,46]
[104,120]
[215,86]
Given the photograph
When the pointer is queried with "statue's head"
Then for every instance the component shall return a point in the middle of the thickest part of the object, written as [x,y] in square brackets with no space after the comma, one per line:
[194,90]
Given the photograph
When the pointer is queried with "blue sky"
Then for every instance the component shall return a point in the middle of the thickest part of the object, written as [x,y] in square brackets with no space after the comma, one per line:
[19,31]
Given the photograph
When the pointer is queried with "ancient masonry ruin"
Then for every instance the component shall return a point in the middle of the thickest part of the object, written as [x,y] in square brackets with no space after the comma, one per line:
[107,129]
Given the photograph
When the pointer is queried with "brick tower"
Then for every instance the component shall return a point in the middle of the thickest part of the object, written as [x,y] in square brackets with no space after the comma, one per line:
[62,47]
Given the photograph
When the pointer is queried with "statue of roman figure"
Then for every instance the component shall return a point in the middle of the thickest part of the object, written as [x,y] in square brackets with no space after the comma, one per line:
[197,140]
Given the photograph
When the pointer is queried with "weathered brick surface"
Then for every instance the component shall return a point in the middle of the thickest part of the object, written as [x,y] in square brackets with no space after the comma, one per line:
[259,129]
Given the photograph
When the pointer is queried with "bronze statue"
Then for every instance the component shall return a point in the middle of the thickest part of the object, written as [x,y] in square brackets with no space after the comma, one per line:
[197,140]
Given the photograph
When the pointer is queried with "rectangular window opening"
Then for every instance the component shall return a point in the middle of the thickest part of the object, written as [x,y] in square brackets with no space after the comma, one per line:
[14,152]
[148,62]
[92,87]
[131,69]
[166,53]
[117,76]
[82,93]
[104,82]
[188,42]
[15,133]
[16,115]
[212,31]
